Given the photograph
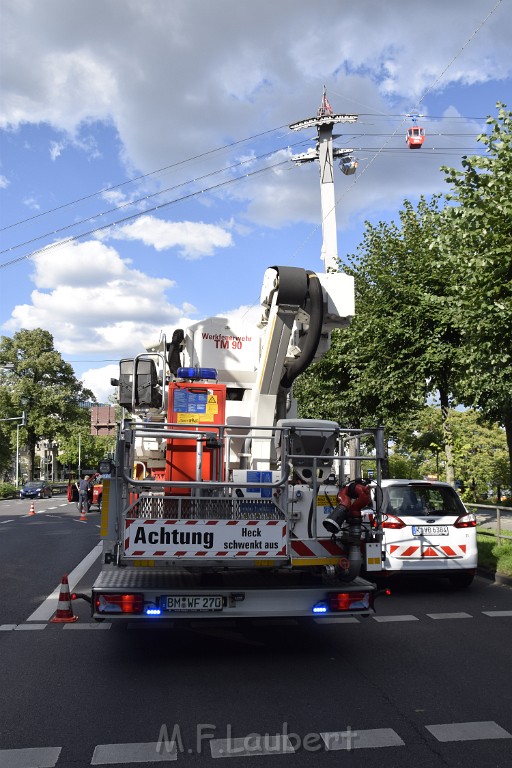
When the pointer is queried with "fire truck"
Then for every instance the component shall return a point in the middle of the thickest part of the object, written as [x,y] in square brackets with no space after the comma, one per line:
[221,501]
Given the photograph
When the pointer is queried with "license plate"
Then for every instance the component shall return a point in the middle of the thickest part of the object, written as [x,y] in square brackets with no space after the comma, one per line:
[194,602]
[430,530]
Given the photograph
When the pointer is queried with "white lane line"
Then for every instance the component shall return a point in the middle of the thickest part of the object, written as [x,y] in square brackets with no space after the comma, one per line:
[337,620]
[43,757]
[21,627]
[460,615]
[254,744]
[150,752]
[349,739]
[6,521]
[486,729]
[497,613]
[103,625]
[405,617]
[49,606]
[7,627]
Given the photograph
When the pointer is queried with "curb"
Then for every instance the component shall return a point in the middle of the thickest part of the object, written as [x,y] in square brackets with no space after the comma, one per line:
[497,578]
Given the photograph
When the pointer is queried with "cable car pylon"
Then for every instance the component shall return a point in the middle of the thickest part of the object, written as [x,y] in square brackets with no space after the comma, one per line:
[324,152]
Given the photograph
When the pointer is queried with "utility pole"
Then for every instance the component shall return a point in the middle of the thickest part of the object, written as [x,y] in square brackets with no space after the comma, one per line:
[326,154]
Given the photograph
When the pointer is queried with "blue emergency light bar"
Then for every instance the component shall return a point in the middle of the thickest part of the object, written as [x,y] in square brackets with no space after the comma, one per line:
[197,373]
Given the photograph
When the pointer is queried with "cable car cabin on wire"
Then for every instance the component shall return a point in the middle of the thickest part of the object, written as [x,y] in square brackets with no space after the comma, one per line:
[415,136]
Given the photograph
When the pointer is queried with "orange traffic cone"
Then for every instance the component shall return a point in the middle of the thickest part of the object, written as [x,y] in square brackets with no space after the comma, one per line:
[64,612]
[32,509]
[83,515]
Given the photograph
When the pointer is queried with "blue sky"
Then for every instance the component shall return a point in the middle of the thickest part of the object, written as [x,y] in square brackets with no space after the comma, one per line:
[169,122]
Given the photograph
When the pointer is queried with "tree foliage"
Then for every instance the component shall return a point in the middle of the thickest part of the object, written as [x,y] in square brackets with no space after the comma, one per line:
[402,344]
[43,385]
[478,246]
[433,310]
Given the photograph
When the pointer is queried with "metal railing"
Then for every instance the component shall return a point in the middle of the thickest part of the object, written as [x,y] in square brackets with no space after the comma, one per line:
[498,510]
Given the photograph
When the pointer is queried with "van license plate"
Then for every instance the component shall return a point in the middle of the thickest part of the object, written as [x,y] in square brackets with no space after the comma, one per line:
[194,602]
[430,530]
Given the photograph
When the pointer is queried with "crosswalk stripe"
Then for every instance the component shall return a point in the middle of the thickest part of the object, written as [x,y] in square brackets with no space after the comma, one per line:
[254,744]
[124,754]
[349,739]
[486,729]
[34,757]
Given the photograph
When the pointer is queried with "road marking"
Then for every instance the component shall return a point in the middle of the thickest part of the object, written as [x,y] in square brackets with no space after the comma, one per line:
[105,625]
[486,729]
[497,613]
[43,757]
[254,744]
[337,620]
[29,626]
[6,521]
[349,739]
[7,627]
[49,606]
[405,617]
[116,754]
[461,615]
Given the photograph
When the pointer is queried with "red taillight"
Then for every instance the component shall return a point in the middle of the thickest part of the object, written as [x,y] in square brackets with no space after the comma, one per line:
[465,521]
[391,521]
[349,601]
[119,603]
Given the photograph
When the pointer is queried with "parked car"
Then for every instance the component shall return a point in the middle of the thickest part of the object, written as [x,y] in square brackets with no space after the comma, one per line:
[36,489]
[427,529]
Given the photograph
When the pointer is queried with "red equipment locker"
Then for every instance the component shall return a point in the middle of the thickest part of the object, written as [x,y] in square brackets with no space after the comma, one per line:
[194,406]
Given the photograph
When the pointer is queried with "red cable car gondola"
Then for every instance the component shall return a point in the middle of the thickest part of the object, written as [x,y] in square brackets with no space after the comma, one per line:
[415,136]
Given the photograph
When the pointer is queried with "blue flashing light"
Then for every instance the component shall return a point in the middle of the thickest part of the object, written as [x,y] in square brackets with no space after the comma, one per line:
[197,373]
[320,608]
[153,611]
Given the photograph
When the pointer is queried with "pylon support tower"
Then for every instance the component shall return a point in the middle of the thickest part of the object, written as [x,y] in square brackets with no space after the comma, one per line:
[325,153]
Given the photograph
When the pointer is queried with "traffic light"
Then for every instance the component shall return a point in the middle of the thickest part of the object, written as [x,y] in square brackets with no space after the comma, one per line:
[23,419]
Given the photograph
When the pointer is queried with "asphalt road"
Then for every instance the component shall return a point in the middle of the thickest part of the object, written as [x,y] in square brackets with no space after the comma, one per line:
[424,683]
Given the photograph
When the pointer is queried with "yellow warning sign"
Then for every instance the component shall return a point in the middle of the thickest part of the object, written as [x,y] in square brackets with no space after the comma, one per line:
[188,418]
[212,400]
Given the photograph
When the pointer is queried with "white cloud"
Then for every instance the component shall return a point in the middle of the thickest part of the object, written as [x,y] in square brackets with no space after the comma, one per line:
[194,239]
[4,182]
[91,300]
[98,380]
[88,61]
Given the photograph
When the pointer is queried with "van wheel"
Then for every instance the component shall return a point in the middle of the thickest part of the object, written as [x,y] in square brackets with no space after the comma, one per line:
[461,580]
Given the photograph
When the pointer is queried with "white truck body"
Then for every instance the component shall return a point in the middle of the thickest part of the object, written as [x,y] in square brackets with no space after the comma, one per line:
[230,522]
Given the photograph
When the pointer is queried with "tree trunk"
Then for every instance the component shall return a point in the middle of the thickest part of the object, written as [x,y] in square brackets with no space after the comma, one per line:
[447,436]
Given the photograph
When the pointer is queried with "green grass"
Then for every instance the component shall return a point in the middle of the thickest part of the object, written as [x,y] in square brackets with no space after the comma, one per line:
[497,558]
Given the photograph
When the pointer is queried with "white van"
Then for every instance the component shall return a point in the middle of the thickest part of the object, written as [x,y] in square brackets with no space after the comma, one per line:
[426,529]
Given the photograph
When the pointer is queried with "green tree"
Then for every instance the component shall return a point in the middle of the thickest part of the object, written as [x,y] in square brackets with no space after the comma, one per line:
[81,450]
[402,345]
[43,385]
[478,244]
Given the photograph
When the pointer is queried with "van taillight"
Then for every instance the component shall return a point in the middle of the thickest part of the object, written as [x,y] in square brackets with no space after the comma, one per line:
[465,521]
[391,521]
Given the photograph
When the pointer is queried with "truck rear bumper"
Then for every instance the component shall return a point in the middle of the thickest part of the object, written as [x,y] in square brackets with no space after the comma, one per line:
[132,593]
